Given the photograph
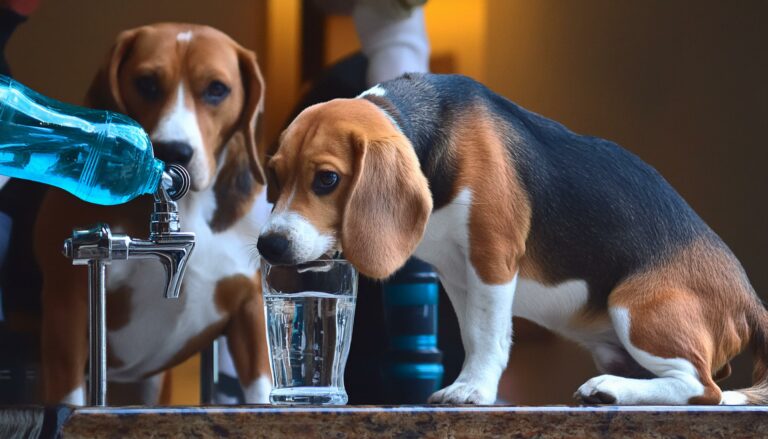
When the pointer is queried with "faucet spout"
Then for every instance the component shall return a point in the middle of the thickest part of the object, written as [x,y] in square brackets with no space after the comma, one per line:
[172,250]
[167,243]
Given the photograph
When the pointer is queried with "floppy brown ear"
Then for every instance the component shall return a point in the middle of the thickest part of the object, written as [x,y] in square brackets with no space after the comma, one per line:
[253,106]
[273,189]
[387,209]
[235,187]
[104,92]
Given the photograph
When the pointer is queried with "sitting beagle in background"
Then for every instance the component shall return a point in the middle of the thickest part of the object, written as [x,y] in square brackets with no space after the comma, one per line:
[199,95]
[520,216]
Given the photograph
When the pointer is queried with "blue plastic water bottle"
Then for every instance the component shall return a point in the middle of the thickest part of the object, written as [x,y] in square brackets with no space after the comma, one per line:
[414,368]
[100,156]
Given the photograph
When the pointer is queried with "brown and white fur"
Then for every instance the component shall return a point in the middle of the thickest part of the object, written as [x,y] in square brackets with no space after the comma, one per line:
[199,95]
[522,217]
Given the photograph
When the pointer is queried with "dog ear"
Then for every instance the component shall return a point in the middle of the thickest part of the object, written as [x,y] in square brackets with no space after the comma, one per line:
[253,106]
[388,207]
[104,92]
[235,187]
[273,188]
[242,173]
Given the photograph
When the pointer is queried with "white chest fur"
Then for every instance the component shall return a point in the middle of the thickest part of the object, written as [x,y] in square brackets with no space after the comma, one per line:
[446,240]
[159,327]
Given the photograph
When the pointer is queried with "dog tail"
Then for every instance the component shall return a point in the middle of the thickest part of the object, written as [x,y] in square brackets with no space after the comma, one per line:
[758,393]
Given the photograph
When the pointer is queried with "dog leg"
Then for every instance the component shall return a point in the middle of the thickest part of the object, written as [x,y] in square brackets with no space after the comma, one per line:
[64,346]
[75,397]
[247,342]
[669,340]
[485,322]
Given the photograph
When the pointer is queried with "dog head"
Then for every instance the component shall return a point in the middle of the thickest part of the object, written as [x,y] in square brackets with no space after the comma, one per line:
[193,89]
[345,178]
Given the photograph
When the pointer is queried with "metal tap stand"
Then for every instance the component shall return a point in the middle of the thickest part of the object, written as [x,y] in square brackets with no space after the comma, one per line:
[93,247]
[97,333]
[97,247]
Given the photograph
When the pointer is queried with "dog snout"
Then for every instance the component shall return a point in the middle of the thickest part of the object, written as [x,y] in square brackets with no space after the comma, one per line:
[274,248]
[179,153]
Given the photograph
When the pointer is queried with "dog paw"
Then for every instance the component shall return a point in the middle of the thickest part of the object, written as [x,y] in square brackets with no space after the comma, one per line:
[258,391]
[599,390]
[462,393]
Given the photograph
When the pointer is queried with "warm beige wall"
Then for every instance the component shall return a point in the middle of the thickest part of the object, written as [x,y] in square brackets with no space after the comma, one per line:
[59,49]
[683,84]
[457,27]
[282,62]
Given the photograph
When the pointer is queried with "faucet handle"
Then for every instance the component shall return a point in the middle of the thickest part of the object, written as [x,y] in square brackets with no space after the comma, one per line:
[165,218]
[95,243]
[175,182]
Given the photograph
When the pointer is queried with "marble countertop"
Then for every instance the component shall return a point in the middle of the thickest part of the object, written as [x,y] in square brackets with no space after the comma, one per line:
[396,421]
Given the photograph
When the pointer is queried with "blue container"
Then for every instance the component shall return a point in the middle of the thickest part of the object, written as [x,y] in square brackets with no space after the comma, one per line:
[100,156]
[413,369]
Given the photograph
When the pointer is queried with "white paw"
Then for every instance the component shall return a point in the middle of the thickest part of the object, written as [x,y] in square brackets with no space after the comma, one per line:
[733,397]
[603,389]
[462,393]
[258,391]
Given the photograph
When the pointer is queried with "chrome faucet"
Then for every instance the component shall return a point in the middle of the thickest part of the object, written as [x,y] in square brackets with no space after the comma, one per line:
[166,242]
[97,247]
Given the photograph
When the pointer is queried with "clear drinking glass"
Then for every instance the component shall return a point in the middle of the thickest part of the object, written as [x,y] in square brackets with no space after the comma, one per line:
[309,311]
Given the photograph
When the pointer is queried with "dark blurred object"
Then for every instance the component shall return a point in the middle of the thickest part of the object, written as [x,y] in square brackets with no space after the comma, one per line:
[20,280]
[345,79]
[20,284]
[12,14]
[413,369]
[9,19]
[363,379]
[19,365]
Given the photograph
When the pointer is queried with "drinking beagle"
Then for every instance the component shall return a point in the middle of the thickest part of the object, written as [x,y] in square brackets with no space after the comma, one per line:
[199,94]
[520,216]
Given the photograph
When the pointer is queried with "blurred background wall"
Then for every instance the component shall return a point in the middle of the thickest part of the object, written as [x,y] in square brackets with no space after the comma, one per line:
[59,49]
[682,84]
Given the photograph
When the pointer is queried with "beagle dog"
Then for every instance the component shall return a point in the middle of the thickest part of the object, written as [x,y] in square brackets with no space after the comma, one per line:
[520,216]
[199,95]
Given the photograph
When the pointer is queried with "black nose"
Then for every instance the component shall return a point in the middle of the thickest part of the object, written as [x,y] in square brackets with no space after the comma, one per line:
[179,153]
[274,248]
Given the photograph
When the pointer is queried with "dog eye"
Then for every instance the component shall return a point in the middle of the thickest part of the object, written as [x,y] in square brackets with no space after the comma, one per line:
[148,87]
[215,92]
[325,182]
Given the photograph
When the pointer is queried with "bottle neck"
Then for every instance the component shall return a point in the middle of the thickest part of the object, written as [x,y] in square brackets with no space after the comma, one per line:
[154,176]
